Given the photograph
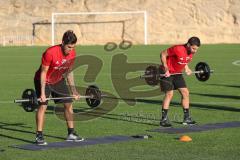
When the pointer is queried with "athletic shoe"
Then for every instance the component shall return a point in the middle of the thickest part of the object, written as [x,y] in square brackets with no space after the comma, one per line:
[188,121]
[165,123]
[73,137]
[40,140]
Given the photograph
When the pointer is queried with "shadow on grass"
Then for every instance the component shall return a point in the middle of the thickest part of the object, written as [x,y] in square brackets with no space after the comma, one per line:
[138,118]
[218,96]
[15,138]
[133,118]
[51,110]
[148,120]
[196,105]
[153,120]
[22,125]
[8,127]
[225,85]
[143,118]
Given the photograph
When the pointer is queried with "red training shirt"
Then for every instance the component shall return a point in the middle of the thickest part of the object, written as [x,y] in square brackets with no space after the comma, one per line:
[58,64]
[177,58]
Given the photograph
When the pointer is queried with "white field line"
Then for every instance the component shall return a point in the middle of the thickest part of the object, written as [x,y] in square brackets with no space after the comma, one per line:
[236,63]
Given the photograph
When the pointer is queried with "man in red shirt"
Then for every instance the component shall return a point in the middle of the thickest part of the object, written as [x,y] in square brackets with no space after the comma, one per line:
[55,62]
[174,60]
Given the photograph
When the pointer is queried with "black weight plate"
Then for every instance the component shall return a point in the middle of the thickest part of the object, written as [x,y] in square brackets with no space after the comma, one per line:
[95,100]
[204,67]
[151,73]
[32,104]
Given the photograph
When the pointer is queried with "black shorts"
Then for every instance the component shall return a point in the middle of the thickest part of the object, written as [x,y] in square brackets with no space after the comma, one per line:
[172,83]
[60,89]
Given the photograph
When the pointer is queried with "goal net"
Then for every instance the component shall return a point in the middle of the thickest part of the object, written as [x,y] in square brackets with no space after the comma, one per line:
[97,28]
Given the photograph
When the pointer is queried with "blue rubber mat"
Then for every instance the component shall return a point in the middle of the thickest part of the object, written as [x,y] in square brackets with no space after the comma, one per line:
[197,128]
[90,141]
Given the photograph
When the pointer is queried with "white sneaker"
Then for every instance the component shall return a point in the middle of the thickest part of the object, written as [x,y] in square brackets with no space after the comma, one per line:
[40,140]
[73,137]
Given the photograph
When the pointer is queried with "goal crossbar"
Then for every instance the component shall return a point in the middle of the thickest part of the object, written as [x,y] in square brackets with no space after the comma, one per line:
[102,13]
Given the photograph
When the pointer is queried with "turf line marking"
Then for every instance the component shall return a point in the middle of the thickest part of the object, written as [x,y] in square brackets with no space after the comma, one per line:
[236,63]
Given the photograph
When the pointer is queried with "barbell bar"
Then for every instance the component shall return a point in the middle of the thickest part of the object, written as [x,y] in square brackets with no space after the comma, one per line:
[57,98]
[163,75]
[153,74]
[29,100]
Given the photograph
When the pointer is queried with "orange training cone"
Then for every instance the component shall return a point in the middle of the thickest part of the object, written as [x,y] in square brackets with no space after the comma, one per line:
[185,138]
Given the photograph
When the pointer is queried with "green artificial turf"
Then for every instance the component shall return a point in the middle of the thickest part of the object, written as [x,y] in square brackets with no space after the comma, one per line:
[216,100]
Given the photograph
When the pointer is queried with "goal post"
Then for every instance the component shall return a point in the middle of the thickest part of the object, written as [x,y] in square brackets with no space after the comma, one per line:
[133,26]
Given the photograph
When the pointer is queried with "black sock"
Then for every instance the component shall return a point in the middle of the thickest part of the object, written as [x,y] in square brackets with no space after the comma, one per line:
[164,113]
[186,113]
[39,133]
[70,130]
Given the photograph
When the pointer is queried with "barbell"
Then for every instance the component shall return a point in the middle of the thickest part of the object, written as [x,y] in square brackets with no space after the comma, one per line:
[153,73]
[29,100]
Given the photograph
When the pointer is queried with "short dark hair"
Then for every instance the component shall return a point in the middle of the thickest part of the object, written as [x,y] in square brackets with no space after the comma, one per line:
[69,37]
[194,41]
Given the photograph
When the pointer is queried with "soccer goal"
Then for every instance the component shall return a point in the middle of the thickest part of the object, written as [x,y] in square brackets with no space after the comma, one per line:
[96,28]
